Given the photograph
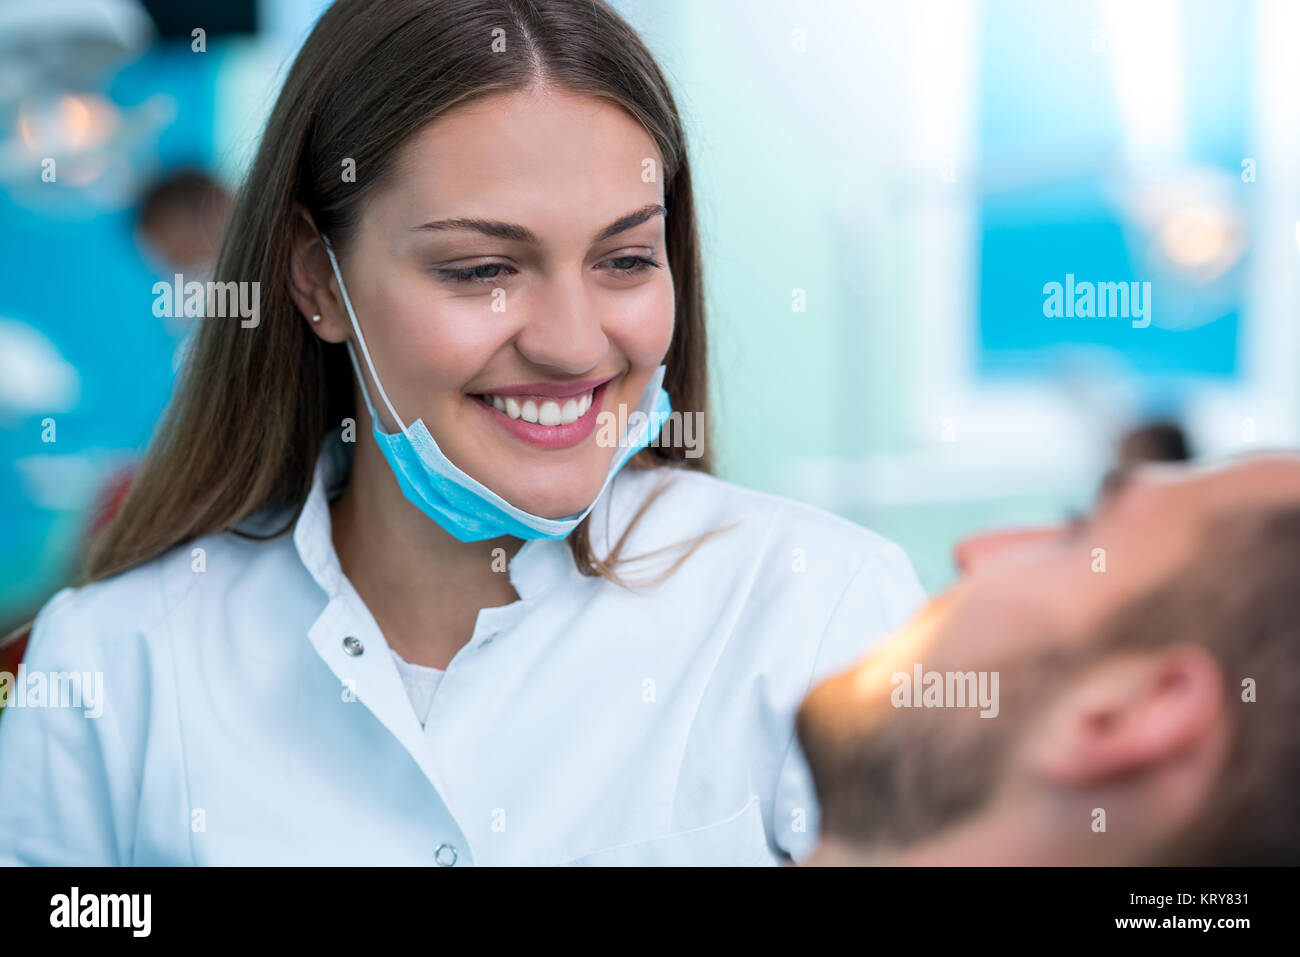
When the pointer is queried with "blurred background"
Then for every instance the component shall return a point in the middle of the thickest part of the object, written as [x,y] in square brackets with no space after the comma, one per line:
[885,191]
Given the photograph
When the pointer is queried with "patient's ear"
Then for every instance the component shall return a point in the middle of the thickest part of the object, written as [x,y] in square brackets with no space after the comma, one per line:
[311,281]
[1129,713]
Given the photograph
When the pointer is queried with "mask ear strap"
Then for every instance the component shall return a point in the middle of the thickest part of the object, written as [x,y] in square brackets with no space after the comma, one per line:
[361,380]
[356,327]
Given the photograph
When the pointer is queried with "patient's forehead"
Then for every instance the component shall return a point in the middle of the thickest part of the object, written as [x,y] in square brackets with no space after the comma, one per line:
[1222,482]
[1258,480]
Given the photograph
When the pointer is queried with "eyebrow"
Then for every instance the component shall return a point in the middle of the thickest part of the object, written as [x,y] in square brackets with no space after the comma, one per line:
[1112,484]
[522,234]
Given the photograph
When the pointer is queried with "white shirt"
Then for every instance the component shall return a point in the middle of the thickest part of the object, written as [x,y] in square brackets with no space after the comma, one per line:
[582,724]
[421,683]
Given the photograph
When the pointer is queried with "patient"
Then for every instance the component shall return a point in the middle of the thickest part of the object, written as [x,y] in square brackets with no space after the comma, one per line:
[1147,666]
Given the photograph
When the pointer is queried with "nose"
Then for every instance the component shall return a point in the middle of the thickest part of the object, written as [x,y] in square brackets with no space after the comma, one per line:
[563,330]
[970,552]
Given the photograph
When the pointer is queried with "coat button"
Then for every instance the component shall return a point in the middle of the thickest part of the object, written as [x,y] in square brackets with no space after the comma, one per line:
[445,855]
[353,646]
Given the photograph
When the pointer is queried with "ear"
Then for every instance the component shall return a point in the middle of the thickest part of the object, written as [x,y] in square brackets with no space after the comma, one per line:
[311,281]
[1131,713]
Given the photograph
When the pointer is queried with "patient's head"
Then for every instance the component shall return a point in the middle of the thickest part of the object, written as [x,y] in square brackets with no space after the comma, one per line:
[1140,677]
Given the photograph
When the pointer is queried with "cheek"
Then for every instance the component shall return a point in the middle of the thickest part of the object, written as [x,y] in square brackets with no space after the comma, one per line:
[998,616]
[439,343]
[641,324]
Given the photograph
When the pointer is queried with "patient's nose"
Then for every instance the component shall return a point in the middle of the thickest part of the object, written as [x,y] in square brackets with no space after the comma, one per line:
[974,549]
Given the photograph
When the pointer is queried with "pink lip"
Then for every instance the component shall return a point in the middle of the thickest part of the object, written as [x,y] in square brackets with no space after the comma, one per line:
[547,436]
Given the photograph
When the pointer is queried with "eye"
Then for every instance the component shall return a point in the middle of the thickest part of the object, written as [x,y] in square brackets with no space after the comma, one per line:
[632,265]
[1076,524]
[492,273]
[484,273]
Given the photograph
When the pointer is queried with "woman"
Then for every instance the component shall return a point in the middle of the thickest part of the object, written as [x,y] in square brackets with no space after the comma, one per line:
[472,226]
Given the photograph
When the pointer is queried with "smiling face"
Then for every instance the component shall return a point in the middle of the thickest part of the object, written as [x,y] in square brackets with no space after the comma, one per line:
[1075,715]
[511,281]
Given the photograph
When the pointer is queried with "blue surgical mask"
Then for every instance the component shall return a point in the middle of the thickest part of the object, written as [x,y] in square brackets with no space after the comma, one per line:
[465,507]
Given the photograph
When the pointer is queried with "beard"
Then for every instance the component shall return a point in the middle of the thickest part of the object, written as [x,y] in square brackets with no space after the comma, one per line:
[889,777]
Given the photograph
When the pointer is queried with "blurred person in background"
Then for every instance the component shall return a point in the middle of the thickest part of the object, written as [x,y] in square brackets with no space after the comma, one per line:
[1158,441]
[183,217]
[1146,710]
[182,220]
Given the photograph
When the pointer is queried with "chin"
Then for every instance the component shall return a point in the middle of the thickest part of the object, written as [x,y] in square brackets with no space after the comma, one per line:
[552,506]
[545,485]
[551,489]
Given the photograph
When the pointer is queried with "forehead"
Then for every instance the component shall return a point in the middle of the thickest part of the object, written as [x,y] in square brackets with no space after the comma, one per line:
[529,150]
[1266,479]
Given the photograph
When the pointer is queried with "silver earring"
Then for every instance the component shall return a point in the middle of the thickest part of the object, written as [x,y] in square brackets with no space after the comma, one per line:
[315,317]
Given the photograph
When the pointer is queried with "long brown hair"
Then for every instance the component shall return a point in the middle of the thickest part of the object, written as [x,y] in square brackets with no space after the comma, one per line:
[254,404]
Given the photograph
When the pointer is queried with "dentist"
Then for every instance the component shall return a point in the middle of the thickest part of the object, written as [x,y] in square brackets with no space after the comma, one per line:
[404,578]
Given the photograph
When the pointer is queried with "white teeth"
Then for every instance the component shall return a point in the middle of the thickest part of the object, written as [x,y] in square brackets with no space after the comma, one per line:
[547,412]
